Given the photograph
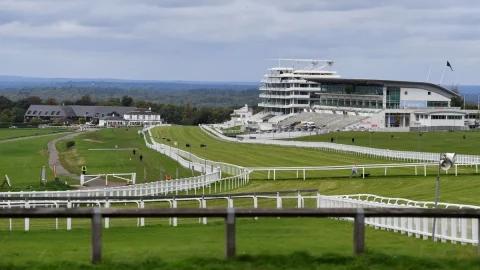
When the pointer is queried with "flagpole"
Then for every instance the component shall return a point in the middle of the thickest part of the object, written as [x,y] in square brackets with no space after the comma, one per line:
[429,70]
[443,73]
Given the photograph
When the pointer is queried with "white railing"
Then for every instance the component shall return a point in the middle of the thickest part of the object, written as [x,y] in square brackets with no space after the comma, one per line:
[212,174]
[455,230]
[408,156]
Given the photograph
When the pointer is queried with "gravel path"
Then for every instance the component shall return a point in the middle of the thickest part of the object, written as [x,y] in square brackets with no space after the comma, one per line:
[54,159]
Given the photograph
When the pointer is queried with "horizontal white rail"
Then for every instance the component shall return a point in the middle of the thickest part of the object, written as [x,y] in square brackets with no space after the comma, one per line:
[455,230]
[409,156]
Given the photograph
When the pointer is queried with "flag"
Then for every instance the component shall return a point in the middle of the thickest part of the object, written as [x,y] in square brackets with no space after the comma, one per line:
[448,65]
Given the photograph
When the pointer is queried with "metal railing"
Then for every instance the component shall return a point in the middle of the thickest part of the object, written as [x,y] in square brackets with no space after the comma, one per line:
[230,214]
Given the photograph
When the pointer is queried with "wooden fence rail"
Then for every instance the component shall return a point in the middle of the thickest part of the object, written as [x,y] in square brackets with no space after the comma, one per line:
[230,215]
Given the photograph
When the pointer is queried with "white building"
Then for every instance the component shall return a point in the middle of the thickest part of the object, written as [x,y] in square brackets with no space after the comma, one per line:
[241,116]
[289,91]
[136,117]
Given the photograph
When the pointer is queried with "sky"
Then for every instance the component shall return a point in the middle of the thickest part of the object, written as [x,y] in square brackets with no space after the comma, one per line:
[236,40]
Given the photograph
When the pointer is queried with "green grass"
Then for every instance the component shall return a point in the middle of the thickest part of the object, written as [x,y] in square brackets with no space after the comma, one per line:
[235,128]
[406,141]
[117,161]
[265,237]
[299,260]
[399,182]
[12,133]
[268,243]
[22,161]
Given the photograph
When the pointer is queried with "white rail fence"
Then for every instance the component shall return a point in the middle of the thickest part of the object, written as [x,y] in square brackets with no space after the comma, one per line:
[128,177]
[408,156]
[361,168]
[464,231]
[236,175]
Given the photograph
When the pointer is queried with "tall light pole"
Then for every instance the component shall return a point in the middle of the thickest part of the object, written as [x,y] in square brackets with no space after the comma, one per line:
[446,161]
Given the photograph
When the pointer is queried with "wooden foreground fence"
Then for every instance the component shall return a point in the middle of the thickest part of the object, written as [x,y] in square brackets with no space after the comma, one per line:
[230,214]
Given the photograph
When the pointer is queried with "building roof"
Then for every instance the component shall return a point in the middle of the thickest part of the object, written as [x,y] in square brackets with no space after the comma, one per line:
[113,118]
[141,111]
[421,85]
[76,110]
[50,110]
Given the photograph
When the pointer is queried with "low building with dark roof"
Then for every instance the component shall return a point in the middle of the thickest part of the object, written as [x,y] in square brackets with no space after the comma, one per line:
[101,115]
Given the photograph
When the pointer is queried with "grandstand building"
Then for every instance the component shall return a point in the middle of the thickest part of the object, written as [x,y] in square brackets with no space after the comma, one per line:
[298,93]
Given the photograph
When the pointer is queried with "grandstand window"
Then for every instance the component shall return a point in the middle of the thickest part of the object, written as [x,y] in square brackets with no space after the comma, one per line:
[29,112]
[34,112]
[454,117]
[393,97]
[429,93]
[437,103]
[406,93]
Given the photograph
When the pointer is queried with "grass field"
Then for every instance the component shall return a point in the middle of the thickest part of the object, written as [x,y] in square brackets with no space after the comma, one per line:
[399,182]
[267,236]
[117,161]
[406,141]
[269,243]
[22,161]
[12,133]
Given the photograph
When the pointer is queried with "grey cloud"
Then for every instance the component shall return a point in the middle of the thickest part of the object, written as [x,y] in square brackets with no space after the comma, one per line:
[227,39]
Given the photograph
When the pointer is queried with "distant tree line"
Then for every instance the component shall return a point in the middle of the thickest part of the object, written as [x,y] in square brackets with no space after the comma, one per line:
[186,114]
[199,97]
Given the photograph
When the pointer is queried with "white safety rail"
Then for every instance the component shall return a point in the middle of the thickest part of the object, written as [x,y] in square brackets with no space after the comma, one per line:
[212,178]
[360,168]
[454,230]
[464,231]
[408,156]
[190,160]
[85,178]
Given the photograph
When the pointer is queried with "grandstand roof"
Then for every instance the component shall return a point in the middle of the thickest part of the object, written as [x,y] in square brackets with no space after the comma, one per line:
[421,85]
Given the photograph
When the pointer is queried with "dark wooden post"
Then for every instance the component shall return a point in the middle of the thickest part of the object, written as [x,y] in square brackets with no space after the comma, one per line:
[96,236]
[230,233]
[359,232]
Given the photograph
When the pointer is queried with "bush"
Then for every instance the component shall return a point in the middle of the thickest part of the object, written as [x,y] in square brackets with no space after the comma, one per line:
[70,144]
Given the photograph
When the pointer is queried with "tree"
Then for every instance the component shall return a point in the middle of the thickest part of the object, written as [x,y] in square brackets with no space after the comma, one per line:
[5,103]
[127,101]
[34,100]
[187,114]
[51,101]
[85,100]
[6,116]
[456,101]
[18,114]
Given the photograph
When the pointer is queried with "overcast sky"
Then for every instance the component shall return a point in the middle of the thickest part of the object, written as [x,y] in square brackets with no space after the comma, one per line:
[234,40]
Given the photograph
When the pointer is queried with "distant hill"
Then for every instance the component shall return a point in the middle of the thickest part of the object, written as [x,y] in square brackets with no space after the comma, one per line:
[20,82]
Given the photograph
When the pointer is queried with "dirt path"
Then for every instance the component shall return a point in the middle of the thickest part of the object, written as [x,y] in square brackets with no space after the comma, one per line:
[54,159]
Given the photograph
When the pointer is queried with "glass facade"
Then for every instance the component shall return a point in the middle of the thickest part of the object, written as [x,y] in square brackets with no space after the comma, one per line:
[393,97]
[437,104]
[352,89]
